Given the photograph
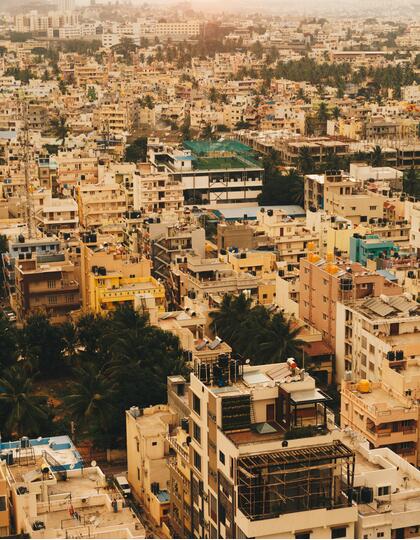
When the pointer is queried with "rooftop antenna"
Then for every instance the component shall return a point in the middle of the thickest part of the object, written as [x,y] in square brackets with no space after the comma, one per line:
[29,203]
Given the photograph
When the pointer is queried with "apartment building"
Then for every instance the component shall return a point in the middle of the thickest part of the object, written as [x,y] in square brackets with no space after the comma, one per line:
[363,172]
[320,148]
[54,494]
[386,488]
[370,247]
[101,265]
[46,287]
[257,263]
[44,249]
[76,168]
[369,330]
[58,216]
[384,417]
[325,282]
[290,235]
[100,204]
[201,278]
[112,117]
[147,455]
[5,517]
[47,173]
[342,195]
[156,192]
[109,289]
[211,173]
[415,229]
[169,242]
[241,424]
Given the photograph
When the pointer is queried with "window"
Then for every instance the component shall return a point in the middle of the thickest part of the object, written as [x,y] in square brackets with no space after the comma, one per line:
[138,473]
[383,490]
[338,532]
[51,283]
[197,432]
[303,535]
[324,316]
[380,534]
[2,504]
[196,404]
[197,461]
[222,514]
[52,299]
[154,443]
[372,207]
[222,457]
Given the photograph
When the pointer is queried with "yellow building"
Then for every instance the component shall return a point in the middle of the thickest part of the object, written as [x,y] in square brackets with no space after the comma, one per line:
[4,503]
[113,289]
[257,263]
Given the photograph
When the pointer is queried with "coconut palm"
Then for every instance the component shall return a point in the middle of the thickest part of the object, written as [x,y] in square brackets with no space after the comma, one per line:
[305,160]
[377,157]
[24,412]
[280,340]
[232,311]
[91,403]
[60,128]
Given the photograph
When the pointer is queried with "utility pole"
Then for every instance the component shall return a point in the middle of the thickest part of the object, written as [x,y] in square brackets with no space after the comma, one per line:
[29,203]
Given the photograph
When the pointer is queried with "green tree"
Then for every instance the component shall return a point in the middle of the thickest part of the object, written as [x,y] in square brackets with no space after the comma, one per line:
[8,340]
[136,151]
[306,162]
[377,157]
[336,113]
[23,412]
[91,94]
[91,403]
[207,132]
[280,340]
[62,85]
[126,47]
[322,113]
[60,128]
[40,345]
[186,128]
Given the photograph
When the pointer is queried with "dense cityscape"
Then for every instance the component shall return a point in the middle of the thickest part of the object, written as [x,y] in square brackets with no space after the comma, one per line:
[209,269]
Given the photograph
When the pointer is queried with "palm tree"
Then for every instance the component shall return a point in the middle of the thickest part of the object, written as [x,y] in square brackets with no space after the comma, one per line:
[280,340]
[296,187]
[232,311]
[91,402]
[322,113]
[60,128]
[377,157]
[305,160]
[25,412]
[336,113]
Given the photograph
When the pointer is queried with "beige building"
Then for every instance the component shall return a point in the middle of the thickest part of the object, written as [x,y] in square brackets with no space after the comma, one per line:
[156,191]
[241,425]
[384,417]
[76,168]
[373,329]
[100,204]
[147,455]
[290,235]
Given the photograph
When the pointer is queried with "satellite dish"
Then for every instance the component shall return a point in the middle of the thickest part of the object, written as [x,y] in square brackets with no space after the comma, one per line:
[93,463]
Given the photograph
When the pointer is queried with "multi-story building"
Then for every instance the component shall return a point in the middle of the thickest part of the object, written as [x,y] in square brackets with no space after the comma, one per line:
[58,216]
[415,229]
[370,329]
[54,494]
[44,249]
[156,192]
[105,266]
[290,235]
[386,488]
[76,168]
[147,455]
[383,416]
[370,247]
[100,204]
[201,278]
[211,173]
[323,283]
[249,429]
[47,287]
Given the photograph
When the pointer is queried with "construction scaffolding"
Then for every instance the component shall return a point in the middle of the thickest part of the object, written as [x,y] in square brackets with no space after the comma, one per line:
[276,483]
